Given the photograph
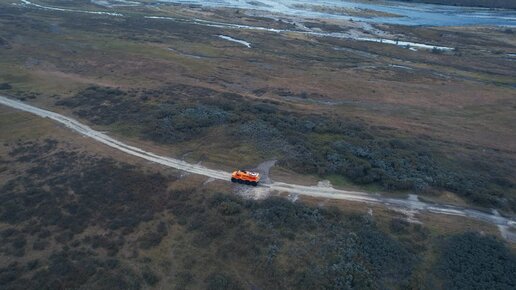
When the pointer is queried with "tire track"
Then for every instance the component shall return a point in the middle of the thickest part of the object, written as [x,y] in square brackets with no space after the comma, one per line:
[413,204]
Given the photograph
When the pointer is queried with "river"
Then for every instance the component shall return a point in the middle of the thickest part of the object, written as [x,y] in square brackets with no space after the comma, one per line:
[408,13]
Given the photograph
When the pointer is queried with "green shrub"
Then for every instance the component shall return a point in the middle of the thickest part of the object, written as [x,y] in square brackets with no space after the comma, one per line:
[5,86]
[149,277]
[473,261]
[302,141]
[219,281]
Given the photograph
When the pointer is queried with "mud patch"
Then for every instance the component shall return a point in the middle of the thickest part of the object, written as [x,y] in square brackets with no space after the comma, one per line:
[324,184]
[507,231]
[409,214]
[293,197]
[208,180]
[264,169]
[250,192]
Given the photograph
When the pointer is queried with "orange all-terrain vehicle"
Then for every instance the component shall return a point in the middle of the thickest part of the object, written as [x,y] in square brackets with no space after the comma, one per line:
[245,177]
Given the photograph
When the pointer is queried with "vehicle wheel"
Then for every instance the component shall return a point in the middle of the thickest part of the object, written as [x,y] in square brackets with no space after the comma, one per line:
[254,183]
[233,179]
[240,181]
[247,182]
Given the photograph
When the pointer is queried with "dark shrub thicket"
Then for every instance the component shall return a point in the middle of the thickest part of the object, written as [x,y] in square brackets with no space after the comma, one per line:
[98,189]
[5,86]
[178,123]
[219,281]
[281,213]
[70,269]
[57,197]
[327,249]
[152,238]
[217,241]
[306,143]
[472,261]
[150,277]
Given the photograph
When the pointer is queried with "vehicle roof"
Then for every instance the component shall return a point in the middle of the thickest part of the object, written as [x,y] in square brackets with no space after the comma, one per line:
[250,172]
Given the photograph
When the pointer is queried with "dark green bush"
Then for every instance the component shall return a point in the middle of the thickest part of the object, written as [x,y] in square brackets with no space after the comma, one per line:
[153,238]
[283,214]
[219,281]
[473,261]
[5,86]
[399,226]
[359,152]
[149,277]
[55,203]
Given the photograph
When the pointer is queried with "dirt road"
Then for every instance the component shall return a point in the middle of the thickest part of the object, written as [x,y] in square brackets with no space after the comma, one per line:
[506,225]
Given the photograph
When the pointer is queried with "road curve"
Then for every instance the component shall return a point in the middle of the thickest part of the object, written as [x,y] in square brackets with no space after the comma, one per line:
[313,191]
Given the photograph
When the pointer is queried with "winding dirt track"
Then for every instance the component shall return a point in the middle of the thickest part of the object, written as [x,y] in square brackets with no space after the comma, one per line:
[411,204]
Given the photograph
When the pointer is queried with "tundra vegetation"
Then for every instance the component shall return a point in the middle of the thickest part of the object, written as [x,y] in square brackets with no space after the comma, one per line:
[374,114]
[70,221]
[360,112]
[308,143]
[478,253]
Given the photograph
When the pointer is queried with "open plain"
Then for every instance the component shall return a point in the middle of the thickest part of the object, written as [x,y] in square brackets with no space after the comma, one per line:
[386,112]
